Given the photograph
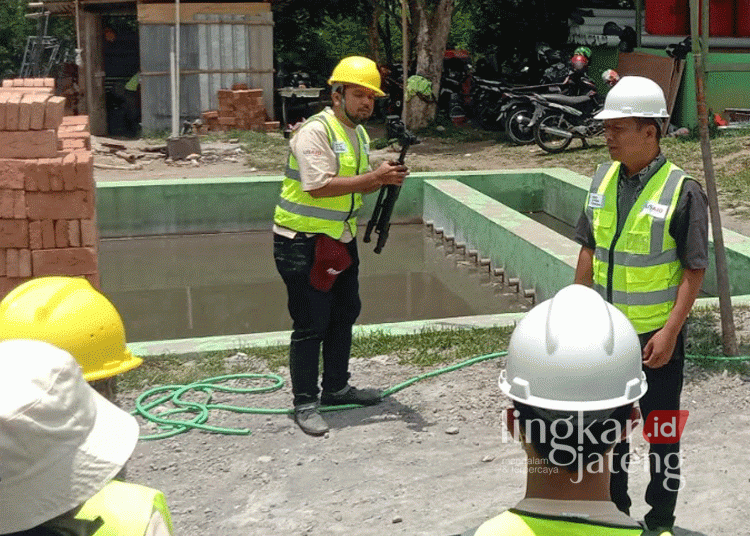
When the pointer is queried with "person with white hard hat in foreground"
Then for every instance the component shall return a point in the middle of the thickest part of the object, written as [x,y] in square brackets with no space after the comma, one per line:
[315,224]
[573,372]
[644,248]
[61,445]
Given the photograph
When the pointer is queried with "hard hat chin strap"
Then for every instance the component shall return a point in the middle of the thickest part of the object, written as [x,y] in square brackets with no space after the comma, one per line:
[341,88]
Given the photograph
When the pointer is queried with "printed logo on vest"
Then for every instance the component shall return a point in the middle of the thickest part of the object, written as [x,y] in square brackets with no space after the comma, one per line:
[656,210]
[596,200]
[333,271]
[339,147]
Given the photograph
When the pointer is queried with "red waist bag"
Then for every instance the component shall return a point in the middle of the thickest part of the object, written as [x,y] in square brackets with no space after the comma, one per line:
[331,258]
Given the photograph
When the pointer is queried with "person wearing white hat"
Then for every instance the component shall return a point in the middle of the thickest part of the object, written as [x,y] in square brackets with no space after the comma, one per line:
[61,445]
[644,247]
[573,372]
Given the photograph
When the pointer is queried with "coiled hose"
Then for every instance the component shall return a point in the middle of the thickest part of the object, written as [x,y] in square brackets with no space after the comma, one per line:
[208,386]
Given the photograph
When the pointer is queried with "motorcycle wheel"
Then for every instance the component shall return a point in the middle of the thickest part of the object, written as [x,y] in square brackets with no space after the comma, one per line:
[516,126]
[549,141]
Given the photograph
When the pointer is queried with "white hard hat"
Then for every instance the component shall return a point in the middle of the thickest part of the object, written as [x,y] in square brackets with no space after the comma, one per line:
[634,96]
[574,352]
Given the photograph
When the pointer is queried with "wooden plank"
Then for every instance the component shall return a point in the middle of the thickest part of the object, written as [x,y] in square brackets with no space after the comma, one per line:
[165,13]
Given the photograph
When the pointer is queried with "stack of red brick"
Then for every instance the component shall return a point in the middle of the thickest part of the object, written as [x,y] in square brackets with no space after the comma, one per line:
[240,108]
[47,211]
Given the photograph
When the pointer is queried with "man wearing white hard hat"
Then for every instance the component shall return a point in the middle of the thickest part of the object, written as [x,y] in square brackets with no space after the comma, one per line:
[573,373]
[61,445]
[644,248]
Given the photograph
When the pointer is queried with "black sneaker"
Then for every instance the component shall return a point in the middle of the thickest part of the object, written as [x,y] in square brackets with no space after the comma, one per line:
[352,395]
[309,419]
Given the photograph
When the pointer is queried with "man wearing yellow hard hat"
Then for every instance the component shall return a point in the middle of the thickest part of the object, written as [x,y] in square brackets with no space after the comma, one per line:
[315,224]
[70,314]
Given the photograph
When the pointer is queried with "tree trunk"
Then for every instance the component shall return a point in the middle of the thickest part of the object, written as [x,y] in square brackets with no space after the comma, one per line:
[433,22]
[373,35]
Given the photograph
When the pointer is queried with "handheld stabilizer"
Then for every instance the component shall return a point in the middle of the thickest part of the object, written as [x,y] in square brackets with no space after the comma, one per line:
[381,215]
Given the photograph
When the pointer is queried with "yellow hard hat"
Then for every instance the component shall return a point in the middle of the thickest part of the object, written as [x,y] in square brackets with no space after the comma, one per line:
[357,70]
[69,313]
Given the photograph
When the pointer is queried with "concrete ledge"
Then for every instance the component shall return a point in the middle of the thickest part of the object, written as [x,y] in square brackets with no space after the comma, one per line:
[191,347]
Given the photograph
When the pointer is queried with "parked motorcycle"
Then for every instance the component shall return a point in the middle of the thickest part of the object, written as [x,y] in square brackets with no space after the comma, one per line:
[558,119]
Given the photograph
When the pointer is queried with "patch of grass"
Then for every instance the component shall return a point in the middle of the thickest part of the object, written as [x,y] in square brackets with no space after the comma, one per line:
[704,339]
[427,348]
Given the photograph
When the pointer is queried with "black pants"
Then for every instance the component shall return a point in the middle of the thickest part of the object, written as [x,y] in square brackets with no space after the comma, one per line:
[664,388]
[317,317]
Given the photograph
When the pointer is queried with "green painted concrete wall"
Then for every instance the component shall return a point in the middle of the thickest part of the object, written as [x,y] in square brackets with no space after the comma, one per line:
[543,259]
[483,205]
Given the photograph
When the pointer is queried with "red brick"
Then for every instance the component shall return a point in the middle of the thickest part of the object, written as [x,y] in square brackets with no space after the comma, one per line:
[74,233]
[76,120]
[272,125]
[56,183]
[7,202]
[12,173]
[9,283]
[48,234]
[84,170]
[61,233]
[48,82]
[24,112]
[19,204]
[38,105]
[30,172]
[84,136]
[3,108]
[70,145]
[24,262]
[7,83]
[14,233]
[28,144]
[42,171]
[35,234]
[54,112]
[88,233]
[60,205]
[69,171]
[11,263]
[11,111]
[64,261]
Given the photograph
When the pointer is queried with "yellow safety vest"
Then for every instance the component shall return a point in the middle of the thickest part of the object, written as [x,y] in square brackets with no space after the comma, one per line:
[517,523]
[125,508]
[300,211]
[637,270]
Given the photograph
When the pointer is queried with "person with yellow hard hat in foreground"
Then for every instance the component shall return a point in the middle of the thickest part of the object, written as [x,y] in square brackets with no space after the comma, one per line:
[61,445]
[573,372]
[644,248]
[69,313]
[315,224]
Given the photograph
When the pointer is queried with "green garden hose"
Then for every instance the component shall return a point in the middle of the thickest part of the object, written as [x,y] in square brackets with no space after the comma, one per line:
[200,410]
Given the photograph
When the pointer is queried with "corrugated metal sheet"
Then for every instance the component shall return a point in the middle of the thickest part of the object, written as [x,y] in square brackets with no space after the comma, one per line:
[216,51]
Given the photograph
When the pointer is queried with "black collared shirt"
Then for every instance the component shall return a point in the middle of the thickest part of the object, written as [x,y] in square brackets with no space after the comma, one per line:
[689,225]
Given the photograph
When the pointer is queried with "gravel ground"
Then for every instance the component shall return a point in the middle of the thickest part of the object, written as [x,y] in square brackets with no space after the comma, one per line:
[432,459]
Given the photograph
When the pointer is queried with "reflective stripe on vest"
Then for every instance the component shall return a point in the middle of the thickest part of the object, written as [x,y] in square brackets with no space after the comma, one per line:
[645,272]
[300,211]
[517,523]
[125,508]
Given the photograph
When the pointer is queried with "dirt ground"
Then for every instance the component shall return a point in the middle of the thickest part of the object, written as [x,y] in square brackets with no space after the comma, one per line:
[432,459]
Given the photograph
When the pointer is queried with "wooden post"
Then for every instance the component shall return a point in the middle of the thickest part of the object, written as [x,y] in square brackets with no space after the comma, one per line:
[700,50]
[93,66]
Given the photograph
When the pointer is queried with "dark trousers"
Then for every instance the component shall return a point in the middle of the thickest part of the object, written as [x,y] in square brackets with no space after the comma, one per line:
[318,318]
[664,388]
